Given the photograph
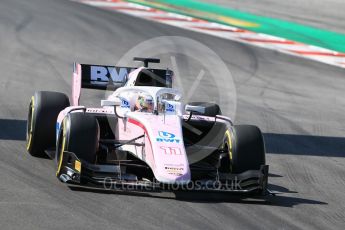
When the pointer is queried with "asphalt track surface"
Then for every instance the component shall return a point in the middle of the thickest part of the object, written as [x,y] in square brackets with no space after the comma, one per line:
[299,105]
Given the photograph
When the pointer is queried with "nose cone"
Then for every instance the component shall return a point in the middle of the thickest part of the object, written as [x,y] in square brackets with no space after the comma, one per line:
[172,166]
[173,175]
[164,151]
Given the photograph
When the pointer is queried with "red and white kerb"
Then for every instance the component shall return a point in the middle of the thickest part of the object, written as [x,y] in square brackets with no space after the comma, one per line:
[227,32]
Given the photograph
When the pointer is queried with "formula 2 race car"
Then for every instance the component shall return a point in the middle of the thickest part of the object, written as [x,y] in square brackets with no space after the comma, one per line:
[143,136]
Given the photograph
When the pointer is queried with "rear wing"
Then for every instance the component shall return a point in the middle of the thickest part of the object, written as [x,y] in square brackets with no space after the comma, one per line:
[111,77]
[97,77]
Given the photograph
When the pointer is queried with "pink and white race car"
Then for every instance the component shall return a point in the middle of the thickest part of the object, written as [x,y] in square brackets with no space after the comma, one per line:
[143,136]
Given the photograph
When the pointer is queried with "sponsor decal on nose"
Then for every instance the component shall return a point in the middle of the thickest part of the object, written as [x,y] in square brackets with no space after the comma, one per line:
[167,137]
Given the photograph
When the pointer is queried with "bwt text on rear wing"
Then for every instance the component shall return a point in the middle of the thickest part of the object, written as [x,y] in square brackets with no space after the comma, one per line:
[107,77]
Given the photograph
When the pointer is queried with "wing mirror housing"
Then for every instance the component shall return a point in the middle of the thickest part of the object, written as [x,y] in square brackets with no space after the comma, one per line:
[195,109]
[116,102]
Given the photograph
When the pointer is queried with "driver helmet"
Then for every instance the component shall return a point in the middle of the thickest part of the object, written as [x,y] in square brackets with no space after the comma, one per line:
[144,103]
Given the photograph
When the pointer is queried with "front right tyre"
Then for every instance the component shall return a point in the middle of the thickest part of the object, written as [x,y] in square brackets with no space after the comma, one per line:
[44,109]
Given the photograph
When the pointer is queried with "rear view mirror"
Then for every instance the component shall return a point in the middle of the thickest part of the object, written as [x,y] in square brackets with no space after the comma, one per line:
[195,108]
[116,102]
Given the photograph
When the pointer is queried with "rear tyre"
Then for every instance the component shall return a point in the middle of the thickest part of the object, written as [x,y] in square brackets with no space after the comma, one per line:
[44,109]
[248,149]
[211,109]
[79,134]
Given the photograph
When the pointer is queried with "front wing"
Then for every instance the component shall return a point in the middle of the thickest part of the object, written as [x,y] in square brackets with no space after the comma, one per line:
[77,171]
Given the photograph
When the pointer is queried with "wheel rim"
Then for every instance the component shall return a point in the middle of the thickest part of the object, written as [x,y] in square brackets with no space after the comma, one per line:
[61,146]
[228,146]
[29,124]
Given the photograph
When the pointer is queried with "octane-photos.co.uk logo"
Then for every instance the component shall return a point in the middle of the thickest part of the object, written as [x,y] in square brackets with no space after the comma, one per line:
[198,185]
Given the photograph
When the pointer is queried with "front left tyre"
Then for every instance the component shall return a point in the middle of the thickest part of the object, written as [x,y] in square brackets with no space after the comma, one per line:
[44,109]
[79,134]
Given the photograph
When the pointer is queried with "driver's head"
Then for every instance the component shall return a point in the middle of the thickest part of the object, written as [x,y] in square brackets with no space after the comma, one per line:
[145,103]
